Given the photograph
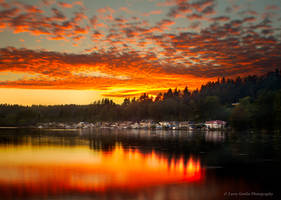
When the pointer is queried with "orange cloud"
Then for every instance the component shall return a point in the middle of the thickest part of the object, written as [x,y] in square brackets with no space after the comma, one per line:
[31,19]
[110,71]
[105,10]
[153,12]
[130,55]
[65,5]
[32,9]
[74,71]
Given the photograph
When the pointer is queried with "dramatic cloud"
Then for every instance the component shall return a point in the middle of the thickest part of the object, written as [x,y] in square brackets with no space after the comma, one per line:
[124,51]
[153,12]
[181,8]
[21,17]
[65,5]
[184,7]
[89,71]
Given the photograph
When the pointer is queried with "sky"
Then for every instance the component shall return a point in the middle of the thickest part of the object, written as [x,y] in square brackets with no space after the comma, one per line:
[76,52]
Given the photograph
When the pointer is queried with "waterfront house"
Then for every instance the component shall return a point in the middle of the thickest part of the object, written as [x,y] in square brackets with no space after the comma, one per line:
[165,124]
[124,125]
[135,125]
[184,125]
[158,126]
[216,124]
[145,124]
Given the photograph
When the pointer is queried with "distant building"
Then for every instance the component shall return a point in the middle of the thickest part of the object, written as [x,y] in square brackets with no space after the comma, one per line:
[174,125]
[184,125]
[165,124]
[125,124]
[216,124]
[135,125]
[158,126]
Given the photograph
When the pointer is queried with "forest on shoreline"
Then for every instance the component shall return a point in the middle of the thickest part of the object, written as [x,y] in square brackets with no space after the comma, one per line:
[253,102]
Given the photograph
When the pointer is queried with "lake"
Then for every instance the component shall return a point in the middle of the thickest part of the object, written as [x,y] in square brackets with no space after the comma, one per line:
[138,164]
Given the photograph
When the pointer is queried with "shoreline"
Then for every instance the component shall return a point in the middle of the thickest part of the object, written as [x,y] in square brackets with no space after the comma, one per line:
[144,124]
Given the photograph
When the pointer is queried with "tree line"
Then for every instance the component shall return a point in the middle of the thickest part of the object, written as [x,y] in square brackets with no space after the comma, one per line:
[250,102]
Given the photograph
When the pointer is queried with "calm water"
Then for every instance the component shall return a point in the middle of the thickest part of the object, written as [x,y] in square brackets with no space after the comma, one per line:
[138,164]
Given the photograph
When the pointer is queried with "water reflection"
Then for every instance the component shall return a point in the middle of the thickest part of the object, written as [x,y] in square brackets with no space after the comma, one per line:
[214,136]
[44,170]
[136,164]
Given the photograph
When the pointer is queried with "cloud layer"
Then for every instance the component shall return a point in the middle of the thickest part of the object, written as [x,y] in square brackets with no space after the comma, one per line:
[129,54]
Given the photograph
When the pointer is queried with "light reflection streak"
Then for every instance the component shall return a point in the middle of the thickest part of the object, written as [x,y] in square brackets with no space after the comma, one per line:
[35,173]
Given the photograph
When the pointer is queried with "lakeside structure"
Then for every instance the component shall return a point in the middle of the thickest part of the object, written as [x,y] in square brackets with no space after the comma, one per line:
[216,124]
[144,124]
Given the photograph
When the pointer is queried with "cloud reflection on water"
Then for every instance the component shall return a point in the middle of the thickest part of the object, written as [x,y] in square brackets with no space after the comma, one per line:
[28,170]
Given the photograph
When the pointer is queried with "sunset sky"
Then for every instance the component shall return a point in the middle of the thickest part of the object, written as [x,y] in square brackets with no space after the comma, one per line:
[64,52]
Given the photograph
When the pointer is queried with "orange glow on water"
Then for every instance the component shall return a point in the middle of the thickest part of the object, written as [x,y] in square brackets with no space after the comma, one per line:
[30,171]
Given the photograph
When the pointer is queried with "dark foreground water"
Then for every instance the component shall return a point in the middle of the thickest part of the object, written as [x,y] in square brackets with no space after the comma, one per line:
[138,164]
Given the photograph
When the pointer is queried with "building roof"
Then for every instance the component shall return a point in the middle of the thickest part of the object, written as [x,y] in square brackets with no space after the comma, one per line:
[215,122]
